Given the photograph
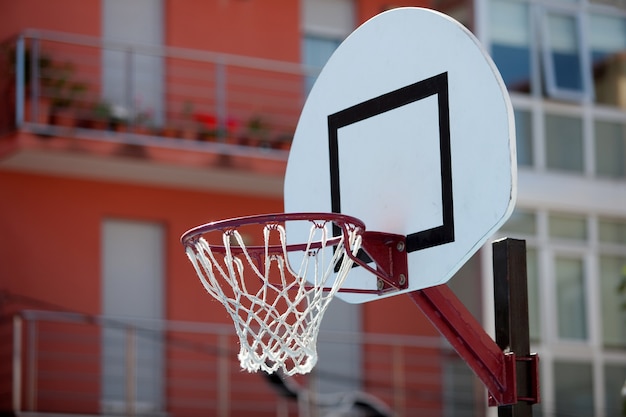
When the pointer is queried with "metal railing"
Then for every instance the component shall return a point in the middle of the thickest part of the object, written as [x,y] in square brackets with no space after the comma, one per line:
[54,80]
[95,365]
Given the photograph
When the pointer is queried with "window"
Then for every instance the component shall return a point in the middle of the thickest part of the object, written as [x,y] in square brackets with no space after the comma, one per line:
[562,56]
[325,25]
[569,274]
[131,78]
[607,43]
[607,36]
[573,389]
[523,136]
[613,282]
[510,46]
[610,149]
[567,226]
[575,52]
[614,377]
[616,3]
[316,51]
[612,266]
[570,292]
[564,143]
[132,289]
[612,231]
[521,222]
[582,48]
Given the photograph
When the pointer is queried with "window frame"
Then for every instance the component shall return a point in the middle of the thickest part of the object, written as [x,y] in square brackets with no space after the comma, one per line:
[532,45]
[586,93]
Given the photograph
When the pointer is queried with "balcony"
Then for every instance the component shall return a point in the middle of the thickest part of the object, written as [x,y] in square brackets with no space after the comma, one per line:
[60,363]
[84,106]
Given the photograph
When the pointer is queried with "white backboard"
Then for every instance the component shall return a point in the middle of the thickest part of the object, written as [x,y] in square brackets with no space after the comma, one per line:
[409,128]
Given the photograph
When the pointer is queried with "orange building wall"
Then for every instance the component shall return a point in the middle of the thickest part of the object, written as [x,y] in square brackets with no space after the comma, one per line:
[50,227]
[50,259]
[76,16]
[254,28]
[50,246]
[71,210]
[366,9]
[268,28]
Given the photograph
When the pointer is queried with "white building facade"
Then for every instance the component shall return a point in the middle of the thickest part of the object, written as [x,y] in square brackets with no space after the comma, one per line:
[564,63]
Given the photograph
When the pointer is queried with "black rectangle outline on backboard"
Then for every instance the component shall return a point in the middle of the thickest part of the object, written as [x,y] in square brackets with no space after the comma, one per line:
[436,85]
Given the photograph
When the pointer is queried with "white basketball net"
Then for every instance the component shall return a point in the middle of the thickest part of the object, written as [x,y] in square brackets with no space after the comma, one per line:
[277,309]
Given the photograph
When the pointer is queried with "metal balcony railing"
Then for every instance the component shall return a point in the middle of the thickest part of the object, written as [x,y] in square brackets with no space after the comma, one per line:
[57,84]
[55,362]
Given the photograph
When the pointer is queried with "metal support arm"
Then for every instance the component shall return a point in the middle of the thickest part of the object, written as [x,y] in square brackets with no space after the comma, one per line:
[446,312]
[507,369]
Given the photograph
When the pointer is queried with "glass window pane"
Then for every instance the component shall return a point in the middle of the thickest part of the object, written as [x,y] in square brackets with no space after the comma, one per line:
[607,41]
[571,298]
[521,222]
[316,51]
[607,35]
[510,43]
[523,129]
[573,389]
[616,3]
[534,312]
[567,226]
[612,231]
[563,53]
[614,377]
[564,143]
[610,147]
[613,287]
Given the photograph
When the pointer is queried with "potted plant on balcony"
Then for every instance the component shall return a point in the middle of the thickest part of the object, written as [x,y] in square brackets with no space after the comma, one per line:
[257,133]
[142,122]
[283,141]
[207,125]
[182,125]
[107,116]
[120,118]
[188,125]
[101,116]
[65,94]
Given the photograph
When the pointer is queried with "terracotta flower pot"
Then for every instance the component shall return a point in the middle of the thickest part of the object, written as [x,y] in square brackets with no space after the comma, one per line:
[42,108]
[65,118]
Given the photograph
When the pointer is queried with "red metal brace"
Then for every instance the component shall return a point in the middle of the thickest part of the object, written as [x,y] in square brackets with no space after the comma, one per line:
[388,251]
[497,369]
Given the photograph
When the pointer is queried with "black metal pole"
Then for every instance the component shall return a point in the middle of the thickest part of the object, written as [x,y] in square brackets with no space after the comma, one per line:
[511,317]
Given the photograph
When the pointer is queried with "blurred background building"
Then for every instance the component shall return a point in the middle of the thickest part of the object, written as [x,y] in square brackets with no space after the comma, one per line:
[125,122]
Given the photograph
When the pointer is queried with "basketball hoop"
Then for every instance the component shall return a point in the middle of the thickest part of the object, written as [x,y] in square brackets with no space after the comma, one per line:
[277,292]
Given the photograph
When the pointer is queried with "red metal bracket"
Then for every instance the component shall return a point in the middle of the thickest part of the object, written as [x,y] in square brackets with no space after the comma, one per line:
[534,396]
[388,251]
[497,369]
[532,370]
